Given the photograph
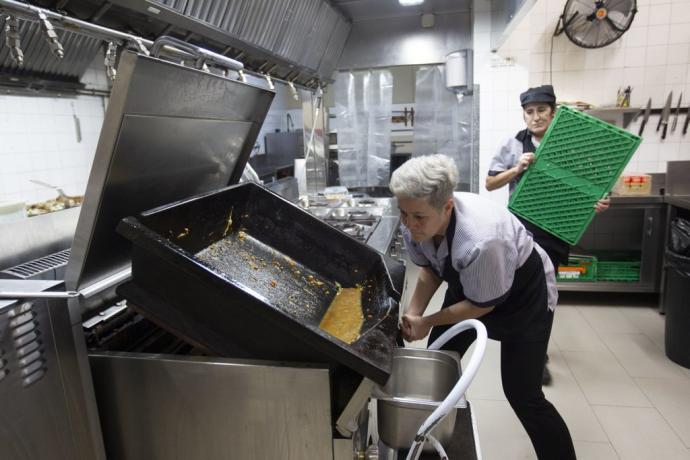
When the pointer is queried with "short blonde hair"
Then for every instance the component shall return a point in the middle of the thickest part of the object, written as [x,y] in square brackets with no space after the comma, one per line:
[433,177]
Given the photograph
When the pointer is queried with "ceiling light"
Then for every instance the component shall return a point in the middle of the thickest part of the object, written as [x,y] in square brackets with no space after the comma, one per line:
[410,2]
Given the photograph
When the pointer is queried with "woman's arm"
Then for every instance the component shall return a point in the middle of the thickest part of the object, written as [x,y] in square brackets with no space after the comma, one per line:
[502,178]
[417,327]
[602,205]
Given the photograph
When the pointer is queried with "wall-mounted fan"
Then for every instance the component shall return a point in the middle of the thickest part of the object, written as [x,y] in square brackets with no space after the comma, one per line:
[594,24]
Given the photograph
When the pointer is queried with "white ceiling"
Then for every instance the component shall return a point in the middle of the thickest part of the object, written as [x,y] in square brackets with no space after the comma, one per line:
[362,10]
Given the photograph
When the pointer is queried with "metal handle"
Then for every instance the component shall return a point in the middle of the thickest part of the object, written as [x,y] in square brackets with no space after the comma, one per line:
[38,295]
[650,225]
[51,36]
[12,40]
[109,61]
[202,55]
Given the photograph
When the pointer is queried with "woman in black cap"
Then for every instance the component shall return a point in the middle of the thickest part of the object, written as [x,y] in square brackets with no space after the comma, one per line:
[515,155]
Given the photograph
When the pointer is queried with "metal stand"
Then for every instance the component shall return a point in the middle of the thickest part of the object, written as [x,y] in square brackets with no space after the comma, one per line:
[465,443]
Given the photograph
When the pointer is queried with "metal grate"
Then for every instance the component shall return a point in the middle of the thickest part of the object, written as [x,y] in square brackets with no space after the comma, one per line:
[3,362]
[177,5]
[319,34]
[80,51]
[24,329]
[299,29]
[35,268]
[336,43]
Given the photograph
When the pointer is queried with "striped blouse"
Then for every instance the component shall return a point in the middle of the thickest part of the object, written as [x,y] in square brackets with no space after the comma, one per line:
[489,245]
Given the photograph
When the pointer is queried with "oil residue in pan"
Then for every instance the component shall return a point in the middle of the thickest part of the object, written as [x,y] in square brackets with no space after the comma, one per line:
[344,317]
[287,285]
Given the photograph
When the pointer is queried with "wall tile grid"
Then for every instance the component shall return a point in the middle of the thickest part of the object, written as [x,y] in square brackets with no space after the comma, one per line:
[276,121]
[653,57]
[500,81]
[38,140]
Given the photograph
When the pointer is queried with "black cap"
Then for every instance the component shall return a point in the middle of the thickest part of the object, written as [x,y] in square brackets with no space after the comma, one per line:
[542,93]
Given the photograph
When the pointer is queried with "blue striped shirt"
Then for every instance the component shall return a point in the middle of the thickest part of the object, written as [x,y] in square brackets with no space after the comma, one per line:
[489,245]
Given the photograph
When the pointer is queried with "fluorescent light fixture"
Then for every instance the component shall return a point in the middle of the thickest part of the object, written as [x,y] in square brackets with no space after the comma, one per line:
[410,2]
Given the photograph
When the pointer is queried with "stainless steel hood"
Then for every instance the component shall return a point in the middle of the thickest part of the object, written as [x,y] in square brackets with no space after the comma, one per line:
[170,132]
[505,17]
[298,40]
[41,69]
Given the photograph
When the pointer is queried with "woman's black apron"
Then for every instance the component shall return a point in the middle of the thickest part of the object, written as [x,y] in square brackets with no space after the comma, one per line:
[521,315]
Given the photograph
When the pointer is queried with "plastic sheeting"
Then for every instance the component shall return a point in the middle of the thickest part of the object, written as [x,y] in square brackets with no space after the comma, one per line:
[363,103]
[314,140]
[443,124]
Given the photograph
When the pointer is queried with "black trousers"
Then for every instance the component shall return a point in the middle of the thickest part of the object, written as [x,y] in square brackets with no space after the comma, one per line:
[522,364]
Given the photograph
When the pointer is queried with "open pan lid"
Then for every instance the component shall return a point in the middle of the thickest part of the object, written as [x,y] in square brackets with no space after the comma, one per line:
[169,132]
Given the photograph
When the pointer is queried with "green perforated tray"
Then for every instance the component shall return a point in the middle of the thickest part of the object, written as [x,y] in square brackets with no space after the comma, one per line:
[577,164]
[618,270]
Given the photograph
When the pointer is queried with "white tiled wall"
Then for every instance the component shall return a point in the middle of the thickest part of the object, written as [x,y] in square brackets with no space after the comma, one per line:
[276,120]
[501,82]
[38,140]
[653,57]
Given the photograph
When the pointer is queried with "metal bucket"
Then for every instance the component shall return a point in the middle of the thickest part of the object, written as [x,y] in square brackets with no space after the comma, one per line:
[419,382]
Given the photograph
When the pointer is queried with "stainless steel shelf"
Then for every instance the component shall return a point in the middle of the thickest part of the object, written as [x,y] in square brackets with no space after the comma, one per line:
[678,201]
[617,200]
[605,286]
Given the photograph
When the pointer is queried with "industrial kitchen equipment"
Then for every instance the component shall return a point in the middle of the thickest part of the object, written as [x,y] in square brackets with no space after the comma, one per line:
[212,368]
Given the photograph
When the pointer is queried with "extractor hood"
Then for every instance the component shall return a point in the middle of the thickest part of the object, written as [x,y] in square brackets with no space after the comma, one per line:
[295,40]
[505,17]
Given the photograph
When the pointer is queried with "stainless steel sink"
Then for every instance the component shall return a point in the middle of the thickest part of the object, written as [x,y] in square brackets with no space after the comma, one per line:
[420,380]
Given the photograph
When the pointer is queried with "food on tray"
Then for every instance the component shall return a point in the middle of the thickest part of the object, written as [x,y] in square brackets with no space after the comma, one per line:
[57,204]
[344,317]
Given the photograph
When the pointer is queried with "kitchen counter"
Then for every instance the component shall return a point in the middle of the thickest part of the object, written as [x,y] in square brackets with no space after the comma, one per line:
[633,228]
[636,200]
[678,201]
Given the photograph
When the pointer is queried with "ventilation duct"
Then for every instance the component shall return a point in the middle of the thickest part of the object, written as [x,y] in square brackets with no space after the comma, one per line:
[294,40]
[41,69]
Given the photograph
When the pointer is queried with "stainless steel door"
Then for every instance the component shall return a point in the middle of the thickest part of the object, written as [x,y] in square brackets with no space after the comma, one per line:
[171,407]
[42,415]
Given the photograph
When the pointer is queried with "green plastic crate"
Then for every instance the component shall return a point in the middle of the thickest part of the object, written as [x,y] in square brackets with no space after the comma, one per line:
[577,164]
[588,263]
[618,270]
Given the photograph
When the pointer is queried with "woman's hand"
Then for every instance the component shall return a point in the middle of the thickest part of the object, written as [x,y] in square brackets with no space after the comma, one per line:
[602,205]
[414,327]
[524,161]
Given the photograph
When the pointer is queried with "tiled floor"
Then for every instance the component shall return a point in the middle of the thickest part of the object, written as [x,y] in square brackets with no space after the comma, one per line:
[621,397]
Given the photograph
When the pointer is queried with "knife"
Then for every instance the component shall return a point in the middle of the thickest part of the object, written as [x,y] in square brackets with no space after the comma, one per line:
[665,113]
[675,119]
[647,110]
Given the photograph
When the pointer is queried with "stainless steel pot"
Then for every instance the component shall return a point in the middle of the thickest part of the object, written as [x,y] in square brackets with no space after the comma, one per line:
[420,380]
